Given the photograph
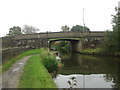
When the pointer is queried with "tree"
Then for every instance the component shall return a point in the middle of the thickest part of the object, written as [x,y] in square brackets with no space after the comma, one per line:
[15,30]
[27,29]
[79,28]
[116,30]
[65,28]
[112,40]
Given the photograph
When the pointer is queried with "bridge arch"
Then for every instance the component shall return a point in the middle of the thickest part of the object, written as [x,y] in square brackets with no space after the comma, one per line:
[74,42]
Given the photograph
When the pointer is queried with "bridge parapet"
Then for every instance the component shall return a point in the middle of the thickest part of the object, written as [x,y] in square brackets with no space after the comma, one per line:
[61,35]
[97,34]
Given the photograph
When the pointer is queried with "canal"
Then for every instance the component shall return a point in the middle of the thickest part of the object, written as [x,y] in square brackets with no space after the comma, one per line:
[82,71]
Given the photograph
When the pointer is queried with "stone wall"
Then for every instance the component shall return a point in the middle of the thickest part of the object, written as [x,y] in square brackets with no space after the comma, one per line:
[31,43]
[91,42]
[7,54]
[8,42]
[12,47]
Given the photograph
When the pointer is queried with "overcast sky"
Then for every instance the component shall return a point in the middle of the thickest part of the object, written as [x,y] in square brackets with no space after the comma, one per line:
[50,15]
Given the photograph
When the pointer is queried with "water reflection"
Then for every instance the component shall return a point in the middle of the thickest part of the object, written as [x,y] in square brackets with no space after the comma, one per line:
[83,81]
[89,71]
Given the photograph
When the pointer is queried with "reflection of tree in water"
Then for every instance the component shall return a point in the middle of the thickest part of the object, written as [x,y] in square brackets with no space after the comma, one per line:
[70,59]
[93,65]
[72,82]
[114,75]
[115,78]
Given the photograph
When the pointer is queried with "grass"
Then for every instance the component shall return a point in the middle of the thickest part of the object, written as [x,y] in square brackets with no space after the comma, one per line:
[99,51]
[35,75]
[89,50]
[10,62]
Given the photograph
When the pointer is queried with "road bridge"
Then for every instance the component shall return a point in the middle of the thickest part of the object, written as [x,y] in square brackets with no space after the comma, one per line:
[50,35]
[12,46]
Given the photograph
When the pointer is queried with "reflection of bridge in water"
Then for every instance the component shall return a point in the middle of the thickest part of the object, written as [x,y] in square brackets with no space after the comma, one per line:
[82,64]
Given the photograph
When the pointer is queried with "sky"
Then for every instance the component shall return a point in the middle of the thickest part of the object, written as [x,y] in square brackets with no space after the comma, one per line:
[50,15]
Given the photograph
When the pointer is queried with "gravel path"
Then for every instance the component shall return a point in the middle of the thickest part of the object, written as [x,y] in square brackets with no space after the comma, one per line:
[11,77]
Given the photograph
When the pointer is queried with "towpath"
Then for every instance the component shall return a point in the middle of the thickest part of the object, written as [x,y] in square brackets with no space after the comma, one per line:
[10,78]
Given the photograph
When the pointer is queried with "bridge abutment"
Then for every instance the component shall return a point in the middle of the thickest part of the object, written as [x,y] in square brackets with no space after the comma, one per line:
[76,45]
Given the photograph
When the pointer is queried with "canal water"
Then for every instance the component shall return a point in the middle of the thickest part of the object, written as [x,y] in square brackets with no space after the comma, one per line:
[82,71]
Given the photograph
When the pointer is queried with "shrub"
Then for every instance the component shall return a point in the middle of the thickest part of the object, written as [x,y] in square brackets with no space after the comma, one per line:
[49,61]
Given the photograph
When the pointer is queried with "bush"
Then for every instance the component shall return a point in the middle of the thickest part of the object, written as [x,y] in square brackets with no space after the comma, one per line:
[49,61]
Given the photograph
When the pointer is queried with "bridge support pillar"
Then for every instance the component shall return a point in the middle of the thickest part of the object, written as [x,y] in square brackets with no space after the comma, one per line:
[76,46]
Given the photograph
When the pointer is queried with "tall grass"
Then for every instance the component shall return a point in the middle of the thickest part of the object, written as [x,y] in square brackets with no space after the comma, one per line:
[49,60]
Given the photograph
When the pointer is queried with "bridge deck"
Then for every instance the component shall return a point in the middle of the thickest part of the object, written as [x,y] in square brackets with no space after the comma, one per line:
[61,35]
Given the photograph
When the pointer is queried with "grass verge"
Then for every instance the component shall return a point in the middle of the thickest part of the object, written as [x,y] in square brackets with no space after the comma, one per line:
[99,52]
[89,50]
[35,75]
[8,63]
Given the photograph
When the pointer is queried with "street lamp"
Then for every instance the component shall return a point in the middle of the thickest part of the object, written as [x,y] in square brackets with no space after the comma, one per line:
[47,39]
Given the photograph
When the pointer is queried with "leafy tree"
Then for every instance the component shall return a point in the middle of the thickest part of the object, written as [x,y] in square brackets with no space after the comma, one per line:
[15,30]
[65,28]
[27,29]
[79,28]
[112,40]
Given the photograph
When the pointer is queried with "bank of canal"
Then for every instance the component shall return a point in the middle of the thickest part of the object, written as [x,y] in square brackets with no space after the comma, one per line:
[83,71]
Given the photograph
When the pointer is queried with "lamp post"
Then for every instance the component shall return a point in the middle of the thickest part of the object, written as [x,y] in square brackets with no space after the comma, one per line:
[119,13]
[119,4]
[83,20]
[47,39]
